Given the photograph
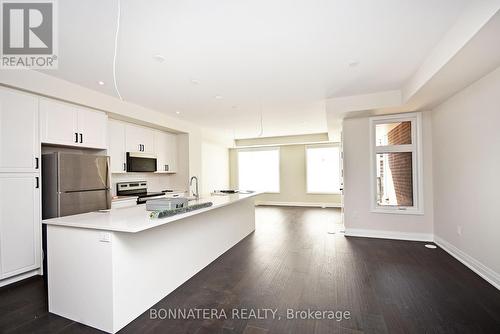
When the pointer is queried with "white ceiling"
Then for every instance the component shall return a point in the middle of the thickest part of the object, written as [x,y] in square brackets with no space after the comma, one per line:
[281,58]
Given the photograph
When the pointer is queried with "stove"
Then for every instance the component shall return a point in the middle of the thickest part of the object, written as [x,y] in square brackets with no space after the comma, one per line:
[139,189]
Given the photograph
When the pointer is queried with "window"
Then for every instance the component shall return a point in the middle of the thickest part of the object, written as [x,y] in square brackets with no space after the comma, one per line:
[323,169]
[396,163]
[259,170]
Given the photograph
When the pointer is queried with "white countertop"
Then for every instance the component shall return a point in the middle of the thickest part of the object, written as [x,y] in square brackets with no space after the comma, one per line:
[136,219]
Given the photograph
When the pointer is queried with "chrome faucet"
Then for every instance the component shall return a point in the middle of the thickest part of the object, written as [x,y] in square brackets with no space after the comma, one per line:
[197,193]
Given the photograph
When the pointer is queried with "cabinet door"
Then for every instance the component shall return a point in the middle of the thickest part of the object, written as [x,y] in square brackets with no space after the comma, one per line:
[116,149]
[172,151]
[19,136]
[92,128]
[19,224]
[139,139]
[58,123]
[161,148]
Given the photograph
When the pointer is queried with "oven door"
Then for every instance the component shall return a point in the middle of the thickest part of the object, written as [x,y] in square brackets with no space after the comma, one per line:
[141,162]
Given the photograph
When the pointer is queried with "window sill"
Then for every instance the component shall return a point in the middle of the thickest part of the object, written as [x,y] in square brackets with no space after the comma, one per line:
[398,212]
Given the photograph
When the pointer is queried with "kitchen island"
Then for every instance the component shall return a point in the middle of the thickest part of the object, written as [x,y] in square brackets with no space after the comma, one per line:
[107,268]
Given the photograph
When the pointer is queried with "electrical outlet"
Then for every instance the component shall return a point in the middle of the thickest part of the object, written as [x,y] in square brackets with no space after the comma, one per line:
[105,237]
[459,230]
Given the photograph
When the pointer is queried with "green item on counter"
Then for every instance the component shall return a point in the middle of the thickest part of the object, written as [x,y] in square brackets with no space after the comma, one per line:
[177,211]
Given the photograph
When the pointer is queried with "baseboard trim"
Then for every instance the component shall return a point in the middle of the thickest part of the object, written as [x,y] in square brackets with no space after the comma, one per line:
[476,266]
[354,232]
[19,277]
[303,204]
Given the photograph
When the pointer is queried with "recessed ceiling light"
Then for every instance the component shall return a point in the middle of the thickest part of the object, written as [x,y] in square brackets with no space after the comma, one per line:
[218,97]
[353,63]
[431,246]
[101,83]
[177,112]
[195,82]
[159,58]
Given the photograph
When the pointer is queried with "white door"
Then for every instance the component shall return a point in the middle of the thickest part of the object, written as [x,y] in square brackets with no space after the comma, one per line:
[161,147]
[172,151]
[116,149]
[92,128]
[19,223]
[19,136]
[139,139]
[58,123]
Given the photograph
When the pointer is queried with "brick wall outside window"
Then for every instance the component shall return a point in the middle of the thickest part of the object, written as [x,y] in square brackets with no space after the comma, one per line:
[401,164]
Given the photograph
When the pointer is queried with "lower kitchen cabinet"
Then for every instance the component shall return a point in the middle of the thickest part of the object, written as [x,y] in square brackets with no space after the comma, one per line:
[20,223]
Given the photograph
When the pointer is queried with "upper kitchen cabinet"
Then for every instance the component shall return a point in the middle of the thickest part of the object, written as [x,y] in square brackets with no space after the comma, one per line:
[58,123]
[116,148]
[139,139]
[172,151]
[70,125]
[19,135]
[92,128]
[166,152]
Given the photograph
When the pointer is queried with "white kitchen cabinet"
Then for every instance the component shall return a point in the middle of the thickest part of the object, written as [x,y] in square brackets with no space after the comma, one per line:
[70,125]
[20,223]
[58,123]
[166,151]
[92,127]
[161,151]
[139,139]
[116,149]
[19,135]
[172,151]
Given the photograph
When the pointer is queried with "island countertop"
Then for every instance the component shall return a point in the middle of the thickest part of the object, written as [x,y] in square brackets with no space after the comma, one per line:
[136,219]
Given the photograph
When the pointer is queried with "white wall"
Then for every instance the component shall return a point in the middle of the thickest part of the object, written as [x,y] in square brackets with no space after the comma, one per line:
[215,167]
[358,218]
[466,131]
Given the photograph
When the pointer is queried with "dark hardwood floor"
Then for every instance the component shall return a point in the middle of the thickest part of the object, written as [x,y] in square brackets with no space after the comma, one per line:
[290,262]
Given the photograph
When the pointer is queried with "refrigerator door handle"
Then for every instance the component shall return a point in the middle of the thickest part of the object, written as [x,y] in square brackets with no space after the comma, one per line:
[108,184]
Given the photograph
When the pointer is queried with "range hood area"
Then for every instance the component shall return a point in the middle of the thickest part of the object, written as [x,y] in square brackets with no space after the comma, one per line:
[141,162]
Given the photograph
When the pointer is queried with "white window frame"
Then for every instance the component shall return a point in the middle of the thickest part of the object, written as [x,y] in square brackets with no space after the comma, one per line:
[417,163]
[267,148]
[340,168]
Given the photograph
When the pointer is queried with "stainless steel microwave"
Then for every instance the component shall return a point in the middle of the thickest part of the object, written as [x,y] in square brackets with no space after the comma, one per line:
[141,162]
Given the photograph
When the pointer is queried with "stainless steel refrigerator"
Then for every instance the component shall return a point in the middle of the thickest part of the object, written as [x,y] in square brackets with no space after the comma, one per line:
[74,183]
